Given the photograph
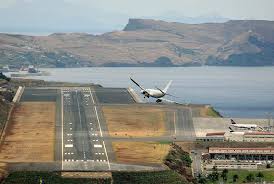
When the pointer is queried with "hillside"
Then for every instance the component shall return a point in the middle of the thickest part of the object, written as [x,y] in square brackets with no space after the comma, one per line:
[146,42]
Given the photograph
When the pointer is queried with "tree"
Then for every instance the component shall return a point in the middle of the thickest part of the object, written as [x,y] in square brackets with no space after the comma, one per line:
[2,76]
[235,177]
[224,174]
[260,176]
[214,176]
[250,177]
[201,179]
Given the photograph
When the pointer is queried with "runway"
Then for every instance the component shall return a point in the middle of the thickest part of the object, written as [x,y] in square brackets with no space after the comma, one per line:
[83,145]
[38,95]
[82,140]
[113,95]
[183,128]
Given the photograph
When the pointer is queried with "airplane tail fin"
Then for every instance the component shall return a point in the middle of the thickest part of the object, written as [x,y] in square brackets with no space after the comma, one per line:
[232,121]
[167,86]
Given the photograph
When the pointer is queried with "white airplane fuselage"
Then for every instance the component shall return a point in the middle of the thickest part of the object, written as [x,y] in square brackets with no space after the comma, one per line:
[245,127]
[155,93]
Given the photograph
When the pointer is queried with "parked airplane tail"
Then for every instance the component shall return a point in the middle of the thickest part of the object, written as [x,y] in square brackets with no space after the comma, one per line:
[232,121]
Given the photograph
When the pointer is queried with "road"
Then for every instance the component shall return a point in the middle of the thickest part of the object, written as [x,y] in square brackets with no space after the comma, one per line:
[83,145]
[196,156]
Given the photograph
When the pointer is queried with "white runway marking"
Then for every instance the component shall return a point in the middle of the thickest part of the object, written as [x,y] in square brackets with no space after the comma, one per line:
[91,97]
[97,146]
[68,145]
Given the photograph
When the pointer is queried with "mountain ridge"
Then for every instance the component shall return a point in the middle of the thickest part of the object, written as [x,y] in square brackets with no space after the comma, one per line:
[148,42]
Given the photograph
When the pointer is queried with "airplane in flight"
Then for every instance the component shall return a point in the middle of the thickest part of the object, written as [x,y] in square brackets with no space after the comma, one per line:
[155,93]
[244,127]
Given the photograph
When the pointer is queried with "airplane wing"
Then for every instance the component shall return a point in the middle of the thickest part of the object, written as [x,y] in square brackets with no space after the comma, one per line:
[137,84]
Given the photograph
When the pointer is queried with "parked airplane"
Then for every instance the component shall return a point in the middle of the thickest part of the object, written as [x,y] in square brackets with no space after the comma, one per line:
[155,93]
[234,127]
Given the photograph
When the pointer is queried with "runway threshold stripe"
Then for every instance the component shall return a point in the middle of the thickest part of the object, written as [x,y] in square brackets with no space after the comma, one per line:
[68,145]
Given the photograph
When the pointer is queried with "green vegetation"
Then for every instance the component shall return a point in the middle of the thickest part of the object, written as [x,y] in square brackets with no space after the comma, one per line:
[5,98]
[251,176]
[159,177]
[165,142]
[178,160]
[212,112]
[214,176]
[48,177]
[2,76]
[237,176]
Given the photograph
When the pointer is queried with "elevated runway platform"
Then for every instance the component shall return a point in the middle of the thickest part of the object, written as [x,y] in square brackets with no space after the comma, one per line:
[82,140]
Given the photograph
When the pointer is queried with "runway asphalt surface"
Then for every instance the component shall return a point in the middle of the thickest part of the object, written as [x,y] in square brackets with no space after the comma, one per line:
[184,125]
[83,144]
[44,95]
[113,95]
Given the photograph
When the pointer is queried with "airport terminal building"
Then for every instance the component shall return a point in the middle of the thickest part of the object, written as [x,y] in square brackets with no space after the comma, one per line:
[242,154]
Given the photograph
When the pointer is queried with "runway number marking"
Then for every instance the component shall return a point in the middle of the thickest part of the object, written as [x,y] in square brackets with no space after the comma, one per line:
[98,146]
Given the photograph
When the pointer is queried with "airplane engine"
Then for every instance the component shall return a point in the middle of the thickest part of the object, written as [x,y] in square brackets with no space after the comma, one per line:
[146,94]
[158,100]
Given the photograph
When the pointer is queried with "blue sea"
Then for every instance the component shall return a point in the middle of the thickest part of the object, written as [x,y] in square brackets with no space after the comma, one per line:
[234,91]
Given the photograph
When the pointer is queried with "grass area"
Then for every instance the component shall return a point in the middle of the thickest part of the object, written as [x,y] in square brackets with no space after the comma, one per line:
[179,160]
[140,152]
[158,177]
[268,175]
[30,134]
[49,177]
[210,112]
[134,121]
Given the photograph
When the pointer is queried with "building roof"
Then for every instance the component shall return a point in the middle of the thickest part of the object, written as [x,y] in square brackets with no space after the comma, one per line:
[241,150]
[215,134]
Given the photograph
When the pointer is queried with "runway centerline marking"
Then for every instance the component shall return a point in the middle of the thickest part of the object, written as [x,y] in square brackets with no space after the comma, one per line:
[80,120]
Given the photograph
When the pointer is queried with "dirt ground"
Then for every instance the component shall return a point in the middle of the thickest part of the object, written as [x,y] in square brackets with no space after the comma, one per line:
[186,146]
[30,134]
[135,121]
[140,152]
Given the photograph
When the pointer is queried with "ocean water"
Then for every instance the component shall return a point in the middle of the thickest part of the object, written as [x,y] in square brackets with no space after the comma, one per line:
[233,91]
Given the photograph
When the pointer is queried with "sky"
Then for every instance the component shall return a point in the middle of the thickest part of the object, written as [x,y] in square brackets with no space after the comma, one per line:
[39,17]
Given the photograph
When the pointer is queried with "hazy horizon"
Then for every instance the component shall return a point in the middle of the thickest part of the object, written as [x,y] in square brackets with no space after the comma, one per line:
[37,17]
